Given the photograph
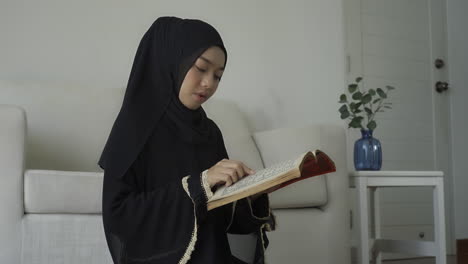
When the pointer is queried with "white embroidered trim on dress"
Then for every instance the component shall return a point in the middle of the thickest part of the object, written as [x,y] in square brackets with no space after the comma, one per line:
[206,185]
[263,240]
[232,215]
[193,240]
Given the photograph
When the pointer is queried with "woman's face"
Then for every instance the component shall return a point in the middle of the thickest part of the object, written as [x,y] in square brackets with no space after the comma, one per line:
[202,79]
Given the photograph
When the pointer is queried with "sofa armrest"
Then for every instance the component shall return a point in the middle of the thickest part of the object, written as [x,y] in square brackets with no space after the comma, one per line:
[12,162]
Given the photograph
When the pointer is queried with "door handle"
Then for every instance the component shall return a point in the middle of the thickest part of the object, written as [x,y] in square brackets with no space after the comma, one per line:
[441,86]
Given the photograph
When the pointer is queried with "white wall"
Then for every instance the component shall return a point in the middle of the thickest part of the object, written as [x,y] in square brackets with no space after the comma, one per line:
[285,58]
[458,80]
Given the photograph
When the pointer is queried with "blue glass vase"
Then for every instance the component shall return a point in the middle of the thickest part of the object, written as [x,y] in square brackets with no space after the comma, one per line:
[367,152]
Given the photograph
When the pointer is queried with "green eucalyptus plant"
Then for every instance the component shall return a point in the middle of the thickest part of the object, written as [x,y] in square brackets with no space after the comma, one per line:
[363,104]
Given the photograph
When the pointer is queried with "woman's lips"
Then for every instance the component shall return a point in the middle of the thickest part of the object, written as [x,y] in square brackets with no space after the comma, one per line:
[200,97]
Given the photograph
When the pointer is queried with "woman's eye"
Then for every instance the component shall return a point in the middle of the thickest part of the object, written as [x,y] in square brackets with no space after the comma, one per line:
[200,69]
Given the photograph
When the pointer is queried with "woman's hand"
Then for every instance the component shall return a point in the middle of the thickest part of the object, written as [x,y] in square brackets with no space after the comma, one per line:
[227,172]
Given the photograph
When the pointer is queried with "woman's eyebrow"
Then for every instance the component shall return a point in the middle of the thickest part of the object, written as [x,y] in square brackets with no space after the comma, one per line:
[210,62]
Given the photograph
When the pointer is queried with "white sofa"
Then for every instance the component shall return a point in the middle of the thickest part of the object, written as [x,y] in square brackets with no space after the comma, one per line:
[50,185]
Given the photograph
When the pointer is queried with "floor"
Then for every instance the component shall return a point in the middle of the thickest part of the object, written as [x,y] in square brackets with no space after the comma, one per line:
[450,260]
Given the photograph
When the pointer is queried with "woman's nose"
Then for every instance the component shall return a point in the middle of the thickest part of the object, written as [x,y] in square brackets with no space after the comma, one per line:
[207,82]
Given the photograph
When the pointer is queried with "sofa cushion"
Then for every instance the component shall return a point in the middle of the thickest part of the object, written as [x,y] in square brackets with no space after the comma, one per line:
[49,191]
[288,143]
[63,238]
[236,132]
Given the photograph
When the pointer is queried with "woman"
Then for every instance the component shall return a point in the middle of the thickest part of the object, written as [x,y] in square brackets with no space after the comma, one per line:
[164,156]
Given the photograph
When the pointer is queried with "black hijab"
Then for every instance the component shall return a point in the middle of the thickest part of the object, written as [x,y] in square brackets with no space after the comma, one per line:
[165,53]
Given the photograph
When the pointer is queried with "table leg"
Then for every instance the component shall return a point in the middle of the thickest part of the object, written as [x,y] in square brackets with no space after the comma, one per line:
[363,220]
[375,201]
[439,222]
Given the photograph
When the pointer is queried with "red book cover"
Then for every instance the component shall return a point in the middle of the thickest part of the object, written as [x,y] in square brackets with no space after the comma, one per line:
[312,166]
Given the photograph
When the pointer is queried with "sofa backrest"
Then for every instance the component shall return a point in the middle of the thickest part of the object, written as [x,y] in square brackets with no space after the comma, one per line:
[68,124]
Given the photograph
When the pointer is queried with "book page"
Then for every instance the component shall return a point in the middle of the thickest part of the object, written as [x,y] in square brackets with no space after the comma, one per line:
[259,177]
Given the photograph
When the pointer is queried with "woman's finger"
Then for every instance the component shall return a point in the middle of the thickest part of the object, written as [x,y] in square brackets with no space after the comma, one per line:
[227,179]
[236,170]
[240,170]
[230,167]
[238,165]
[231,172]
[234,173]
[247,169]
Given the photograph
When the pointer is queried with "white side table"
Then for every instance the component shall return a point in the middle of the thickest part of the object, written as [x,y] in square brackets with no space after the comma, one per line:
[376,245]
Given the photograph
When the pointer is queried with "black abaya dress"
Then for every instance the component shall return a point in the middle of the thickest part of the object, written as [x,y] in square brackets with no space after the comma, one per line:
[152,220]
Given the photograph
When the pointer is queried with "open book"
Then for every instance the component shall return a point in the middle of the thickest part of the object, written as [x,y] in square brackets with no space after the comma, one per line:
[279,175]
